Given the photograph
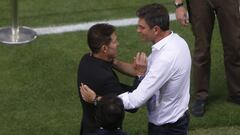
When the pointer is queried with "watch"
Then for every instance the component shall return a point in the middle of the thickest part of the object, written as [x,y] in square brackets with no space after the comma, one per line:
[95,100]
[177,5]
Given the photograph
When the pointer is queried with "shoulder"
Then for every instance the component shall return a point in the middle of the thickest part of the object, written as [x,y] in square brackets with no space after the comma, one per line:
[85,57]
[178,40]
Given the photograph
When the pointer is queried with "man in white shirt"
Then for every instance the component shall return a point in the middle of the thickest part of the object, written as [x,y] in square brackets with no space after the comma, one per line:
[166,83]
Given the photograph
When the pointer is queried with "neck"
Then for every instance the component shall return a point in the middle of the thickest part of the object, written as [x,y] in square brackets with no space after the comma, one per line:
[161,36]
[101,56]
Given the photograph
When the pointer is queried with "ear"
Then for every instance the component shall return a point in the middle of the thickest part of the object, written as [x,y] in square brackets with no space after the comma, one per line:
[156,29]
[104,48]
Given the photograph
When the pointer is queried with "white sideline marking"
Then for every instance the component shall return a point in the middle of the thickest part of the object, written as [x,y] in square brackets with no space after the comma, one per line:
[86,26]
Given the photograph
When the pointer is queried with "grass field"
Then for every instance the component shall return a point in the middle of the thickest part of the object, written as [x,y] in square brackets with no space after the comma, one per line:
[38,92]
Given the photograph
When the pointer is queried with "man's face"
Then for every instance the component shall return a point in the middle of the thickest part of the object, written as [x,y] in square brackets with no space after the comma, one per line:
[145,32]
[112,47]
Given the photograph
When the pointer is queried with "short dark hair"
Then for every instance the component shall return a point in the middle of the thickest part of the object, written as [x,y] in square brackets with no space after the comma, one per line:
[98,35]
[110,112]
[155,15]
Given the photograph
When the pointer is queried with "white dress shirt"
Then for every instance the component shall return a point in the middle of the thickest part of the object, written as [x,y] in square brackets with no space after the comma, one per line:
[165,87]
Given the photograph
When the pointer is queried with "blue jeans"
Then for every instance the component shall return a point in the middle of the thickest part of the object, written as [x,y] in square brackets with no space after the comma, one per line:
[180,127]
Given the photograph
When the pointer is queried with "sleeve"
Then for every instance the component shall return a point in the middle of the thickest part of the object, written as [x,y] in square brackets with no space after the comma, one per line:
[158,74]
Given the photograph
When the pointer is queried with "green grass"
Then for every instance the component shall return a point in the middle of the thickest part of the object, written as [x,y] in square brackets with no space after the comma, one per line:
[38,88]
[57,12]
[38,92]
[216,131]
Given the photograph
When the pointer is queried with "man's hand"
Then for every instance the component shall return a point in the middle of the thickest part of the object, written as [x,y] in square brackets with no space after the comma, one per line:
[140,63]
[87,94]
[182,16]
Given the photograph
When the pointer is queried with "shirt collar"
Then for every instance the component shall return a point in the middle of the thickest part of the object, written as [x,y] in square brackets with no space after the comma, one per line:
[162,42]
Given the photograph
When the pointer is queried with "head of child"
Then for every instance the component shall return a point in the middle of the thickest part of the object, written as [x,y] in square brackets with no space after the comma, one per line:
[110,112]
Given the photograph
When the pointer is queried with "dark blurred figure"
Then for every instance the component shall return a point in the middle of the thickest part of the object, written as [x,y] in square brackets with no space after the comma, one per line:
[109,115]
[202,18]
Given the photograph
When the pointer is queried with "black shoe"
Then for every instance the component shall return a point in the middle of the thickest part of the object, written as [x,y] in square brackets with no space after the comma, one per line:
[198,108]
[234,99]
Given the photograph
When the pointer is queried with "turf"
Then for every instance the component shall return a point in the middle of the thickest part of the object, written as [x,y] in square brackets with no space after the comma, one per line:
[38,92]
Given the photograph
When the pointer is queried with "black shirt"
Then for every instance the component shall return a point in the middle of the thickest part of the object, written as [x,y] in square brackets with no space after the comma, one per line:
[100,77]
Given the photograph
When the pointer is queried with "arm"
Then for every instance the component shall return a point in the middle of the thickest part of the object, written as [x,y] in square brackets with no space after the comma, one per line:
[152,82]
[88,94]
[160,70]
[137,68]
[181,13]
[124,67]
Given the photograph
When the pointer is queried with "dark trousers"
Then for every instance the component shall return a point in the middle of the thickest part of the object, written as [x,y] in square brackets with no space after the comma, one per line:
[203,14]
[180,127]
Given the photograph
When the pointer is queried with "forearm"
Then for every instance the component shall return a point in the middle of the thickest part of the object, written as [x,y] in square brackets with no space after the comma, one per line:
[124,67]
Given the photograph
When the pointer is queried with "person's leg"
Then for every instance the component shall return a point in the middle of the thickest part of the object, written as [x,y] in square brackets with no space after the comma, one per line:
[202,20]
[228,14]
[202,26]
[178,128]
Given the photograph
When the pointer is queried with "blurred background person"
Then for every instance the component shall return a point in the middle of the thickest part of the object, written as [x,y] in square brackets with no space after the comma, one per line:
[202,17]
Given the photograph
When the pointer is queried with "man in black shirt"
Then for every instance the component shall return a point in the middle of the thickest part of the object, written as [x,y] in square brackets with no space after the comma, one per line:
[96,70]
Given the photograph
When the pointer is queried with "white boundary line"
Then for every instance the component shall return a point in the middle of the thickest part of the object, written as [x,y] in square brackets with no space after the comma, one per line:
[86,26]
